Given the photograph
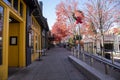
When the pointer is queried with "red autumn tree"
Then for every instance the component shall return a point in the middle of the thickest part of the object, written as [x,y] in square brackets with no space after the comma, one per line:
[64,24]
[59,30]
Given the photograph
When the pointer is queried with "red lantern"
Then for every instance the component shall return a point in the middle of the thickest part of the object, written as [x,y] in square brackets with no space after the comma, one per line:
[78,16]
[78,20]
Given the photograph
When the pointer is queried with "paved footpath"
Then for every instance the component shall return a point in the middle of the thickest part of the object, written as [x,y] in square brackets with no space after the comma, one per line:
[54,66]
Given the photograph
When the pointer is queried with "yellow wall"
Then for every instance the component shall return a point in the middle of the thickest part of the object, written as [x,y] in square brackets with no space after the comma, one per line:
[22,45]
[37,33]
[13,56]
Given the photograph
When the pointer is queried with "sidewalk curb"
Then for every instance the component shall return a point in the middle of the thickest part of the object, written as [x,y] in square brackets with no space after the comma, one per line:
[89,71]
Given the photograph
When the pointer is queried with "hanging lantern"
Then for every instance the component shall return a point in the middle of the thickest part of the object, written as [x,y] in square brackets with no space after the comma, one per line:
[78,16]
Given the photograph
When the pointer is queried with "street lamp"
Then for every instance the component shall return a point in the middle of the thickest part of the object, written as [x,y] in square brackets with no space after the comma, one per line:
[78,16]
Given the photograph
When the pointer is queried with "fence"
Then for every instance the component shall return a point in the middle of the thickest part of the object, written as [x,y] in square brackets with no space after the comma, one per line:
[105,64]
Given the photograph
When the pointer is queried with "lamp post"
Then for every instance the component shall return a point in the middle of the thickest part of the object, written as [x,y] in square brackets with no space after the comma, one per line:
[78,16]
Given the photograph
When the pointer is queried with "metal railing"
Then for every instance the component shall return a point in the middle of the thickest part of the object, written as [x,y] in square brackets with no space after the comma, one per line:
[108,65]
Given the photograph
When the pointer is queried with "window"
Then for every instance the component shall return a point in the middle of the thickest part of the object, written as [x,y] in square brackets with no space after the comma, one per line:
[21,9]
[36,41]
[109,47]
[15,4]
[32,39]
[8,2]
[1,31]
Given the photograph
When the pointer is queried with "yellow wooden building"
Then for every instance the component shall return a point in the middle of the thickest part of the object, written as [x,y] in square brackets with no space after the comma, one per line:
[12,35]
[34,28]
[21,26]
[35,39]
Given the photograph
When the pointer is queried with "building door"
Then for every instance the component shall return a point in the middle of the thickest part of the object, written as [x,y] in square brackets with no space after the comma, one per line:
[108,47]
[13,54]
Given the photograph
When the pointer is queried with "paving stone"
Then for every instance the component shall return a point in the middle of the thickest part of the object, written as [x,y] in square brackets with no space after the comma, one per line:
[54,66]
